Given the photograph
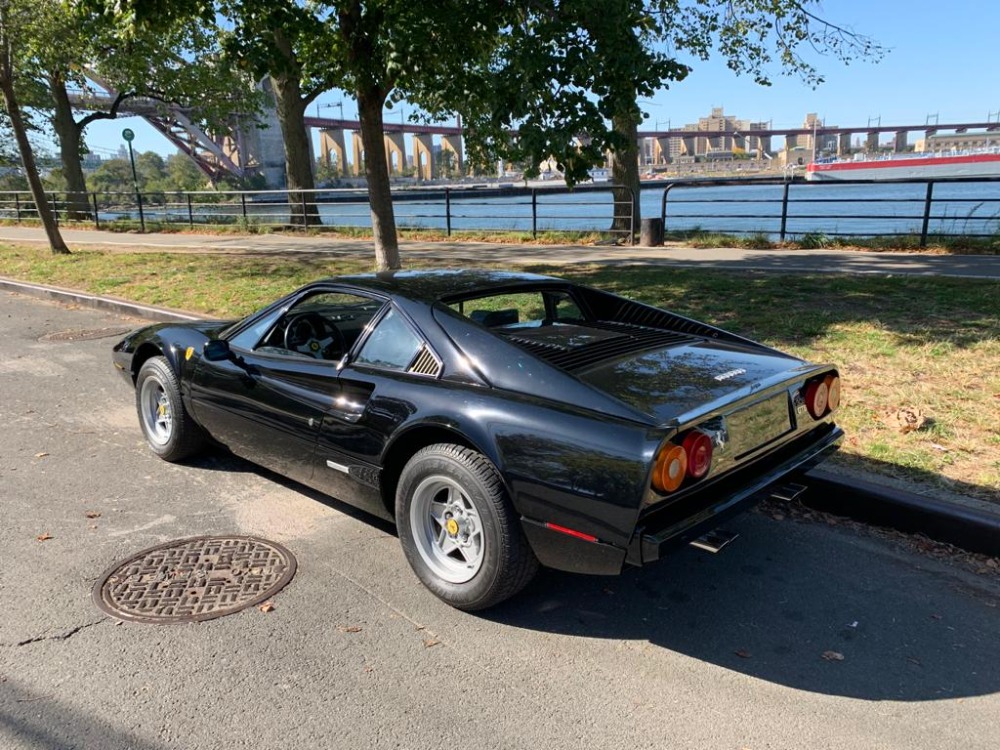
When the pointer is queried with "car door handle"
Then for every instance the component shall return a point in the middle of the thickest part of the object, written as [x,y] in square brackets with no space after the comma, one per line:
[348,409]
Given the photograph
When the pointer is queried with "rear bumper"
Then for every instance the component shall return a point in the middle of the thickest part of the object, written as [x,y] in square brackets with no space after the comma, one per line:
[689,518]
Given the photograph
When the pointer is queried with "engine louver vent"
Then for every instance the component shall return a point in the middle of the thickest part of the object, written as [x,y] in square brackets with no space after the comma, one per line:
[633,339]
[650,316]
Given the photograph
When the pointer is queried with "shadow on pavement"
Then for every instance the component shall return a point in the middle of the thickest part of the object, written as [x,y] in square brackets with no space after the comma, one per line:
[29,719]
[783,595]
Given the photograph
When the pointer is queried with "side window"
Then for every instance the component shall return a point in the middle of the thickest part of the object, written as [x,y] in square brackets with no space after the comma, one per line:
[521,309]
[392,345]
[323,325]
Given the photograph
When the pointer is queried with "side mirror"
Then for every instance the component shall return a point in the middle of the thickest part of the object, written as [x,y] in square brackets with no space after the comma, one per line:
[217,350]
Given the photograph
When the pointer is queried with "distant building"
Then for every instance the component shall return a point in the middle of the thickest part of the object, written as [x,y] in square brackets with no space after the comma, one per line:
[959,141]
[723,137]
[825,143]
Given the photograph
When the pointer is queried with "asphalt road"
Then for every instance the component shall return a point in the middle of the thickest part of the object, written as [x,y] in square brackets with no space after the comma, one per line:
[700,651]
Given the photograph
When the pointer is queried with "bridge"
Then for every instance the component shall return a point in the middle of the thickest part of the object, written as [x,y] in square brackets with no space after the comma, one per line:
[246,149]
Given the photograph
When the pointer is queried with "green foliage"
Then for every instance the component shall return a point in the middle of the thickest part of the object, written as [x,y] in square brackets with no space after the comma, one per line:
[176,173]
[568,75]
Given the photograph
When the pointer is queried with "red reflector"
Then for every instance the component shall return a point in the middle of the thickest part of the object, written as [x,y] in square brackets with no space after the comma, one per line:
[816,396]
[698,447]
[571,532]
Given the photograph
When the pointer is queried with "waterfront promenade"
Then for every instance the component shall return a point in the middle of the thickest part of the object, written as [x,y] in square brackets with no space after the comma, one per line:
[473,253]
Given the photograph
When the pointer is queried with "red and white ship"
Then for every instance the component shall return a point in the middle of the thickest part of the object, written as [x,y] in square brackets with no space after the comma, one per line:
[929,166]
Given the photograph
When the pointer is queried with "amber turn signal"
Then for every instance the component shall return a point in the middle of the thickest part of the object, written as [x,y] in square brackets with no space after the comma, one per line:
[832,391]
[670,468]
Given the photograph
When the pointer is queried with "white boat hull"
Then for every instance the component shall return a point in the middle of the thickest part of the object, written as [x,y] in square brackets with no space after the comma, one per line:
[908,168]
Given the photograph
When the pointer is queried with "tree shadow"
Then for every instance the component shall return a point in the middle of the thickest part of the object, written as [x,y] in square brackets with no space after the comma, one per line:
[36,720]
[774,603]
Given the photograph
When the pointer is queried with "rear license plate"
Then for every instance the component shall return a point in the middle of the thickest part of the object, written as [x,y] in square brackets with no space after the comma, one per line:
[759,424]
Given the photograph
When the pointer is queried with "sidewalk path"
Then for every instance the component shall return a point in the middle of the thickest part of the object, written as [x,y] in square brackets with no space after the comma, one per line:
[465,253]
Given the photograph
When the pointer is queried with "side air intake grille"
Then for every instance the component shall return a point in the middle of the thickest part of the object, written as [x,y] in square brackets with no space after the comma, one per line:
[426,364]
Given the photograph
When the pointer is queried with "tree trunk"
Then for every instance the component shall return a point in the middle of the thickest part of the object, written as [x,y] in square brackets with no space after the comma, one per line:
[625,178]
[377,171]
[298,163]
[48,219]
[70,142]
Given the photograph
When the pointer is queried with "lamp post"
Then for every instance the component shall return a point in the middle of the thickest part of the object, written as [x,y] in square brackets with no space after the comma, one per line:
[129,136]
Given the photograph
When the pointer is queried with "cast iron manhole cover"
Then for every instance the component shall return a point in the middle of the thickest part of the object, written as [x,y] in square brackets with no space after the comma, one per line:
[190,580]
[86,334]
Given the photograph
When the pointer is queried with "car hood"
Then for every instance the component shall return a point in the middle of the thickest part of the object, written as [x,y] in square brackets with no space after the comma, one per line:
[676,383]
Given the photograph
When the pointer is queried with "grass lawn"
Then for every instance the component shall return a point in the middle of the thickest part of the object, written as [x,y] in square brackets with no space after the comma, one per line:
[907,347]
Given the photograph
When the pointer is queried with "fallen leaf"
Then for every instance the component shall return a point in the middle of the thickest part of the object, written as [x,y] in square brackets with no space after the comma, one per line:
[833,656]
[907,419]
[92,514]
[44,537]
[43,454]
[267,606]
[743,653]
[349,628]
[431,642]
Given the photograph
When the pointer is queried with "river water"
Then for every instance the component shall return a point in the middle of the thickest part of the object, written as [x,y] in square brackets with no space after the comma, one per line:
[970,209]
[863,210]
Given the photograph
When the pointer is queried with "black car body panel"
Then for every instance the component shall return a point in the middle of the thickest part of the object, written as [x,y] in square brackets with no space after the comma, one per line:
[571,407]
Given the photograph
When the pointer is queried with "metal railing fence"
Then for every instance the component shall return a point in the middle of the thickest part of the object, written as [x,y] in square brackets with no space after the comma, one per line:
[449,209]
[966,207]
[774,207]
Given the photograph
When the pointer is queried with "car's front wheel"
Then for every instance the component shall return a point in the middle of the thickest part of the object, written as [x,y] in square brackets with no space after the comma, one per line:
[166,425]
[458,529]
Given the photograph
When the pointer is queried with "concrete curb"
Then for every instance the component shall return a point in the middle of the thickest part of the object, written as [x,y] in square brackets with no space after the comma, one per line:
[971,528]
[111,304]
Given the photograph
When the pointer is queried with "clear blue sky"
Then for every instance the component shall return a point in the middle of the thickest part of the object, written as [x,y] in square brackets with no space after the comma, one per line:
[942,60]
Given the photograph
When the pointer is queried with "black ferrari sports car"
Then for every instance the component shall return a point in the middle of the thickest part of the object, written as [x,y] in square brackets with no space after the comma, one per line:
[501,420]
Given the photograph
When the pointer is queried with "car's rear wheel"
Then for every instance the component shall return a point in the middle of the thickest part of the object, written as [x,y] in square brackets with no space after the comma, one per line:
[169,430]
[458,529]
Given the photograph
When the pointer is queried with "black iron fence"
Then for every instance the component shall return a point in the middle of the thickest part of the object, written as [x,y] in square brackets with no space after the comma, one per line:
[776,208]
[784,209]
[533,210]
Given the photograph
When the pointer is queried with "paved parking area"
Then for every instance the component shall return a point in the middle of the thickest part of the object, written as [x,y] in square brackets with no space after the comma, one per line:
[700,651]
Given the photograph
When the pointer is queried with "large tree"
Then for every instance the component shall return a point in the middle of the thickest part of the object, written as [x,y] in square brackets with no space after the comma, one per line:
[376,50]
[177,65]
[568,75]
[16,20]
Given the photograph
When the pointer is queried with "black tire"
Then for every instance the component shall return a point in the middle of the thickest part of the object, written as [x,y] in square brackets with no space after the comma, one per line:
[168,428]
[485,521]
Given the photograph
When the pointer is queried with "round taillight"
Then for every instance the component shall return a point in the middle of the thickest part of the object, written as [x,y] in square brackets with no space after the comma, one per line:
[817,394]
[670,468]
[832,391]
[698,448]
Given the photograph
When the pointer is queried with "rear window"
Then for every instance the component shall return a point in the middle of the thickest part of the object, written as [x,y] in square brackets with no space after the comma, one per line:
[521,309]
